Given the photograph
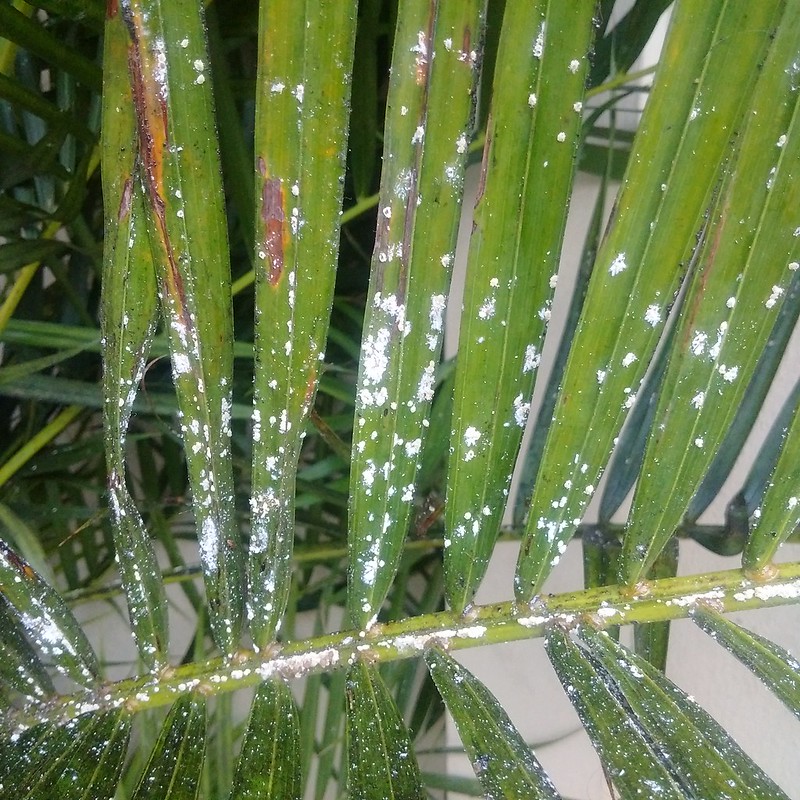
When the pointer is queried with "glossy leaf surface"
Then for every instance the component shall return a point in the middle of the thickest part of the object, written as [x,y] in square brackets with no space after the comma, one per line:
[434,66]
[519,219]
[669,182]
[129,316]
[303,90]
[778,669]
[46,619]
[381,761]
[750,250]
[175,765]
[269,763]
[188,241]
[502,761]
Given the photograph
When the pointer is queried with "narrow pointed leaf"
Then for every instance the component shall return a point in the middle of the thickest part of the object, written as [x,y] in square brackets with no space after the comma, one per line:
[519,219]
[706,761]
[45,618]
[20,666]
[629,757]
[779,512]
[188,239]
[668,185]
[381,761]
[176,763]
[269,763]
[128,321]
[303,89]
[79,761]
[434,67]
[751,251]
[777,669]
[502,761]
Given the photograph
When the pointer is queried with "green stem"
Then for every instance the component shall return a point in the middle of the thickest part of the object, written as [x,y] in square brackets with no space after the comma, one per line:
[656,601]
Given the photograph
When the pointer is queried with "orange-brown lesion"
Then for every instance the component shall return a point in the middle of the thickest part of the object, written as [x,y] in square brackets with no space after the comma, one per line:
[273,222]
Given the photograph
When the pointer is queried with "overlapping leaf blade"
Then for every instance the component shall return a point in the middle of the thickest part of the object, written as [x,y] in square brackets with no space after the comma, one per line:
[515,247]
[434,66]
[631,760]
[269,763]
[78,761]
[20,667]
[778,669]
[47,621]
[176,763]
[502,761]
[300,144]
[188,240]
[703,758]
[779,512]
[128,320]
[751,250]
[381,761]
[668,185]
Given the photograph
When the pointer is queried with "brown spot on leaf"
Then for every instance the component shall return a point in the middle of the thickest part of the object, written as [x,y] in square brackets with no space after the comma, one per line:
[125,200]
[274,219]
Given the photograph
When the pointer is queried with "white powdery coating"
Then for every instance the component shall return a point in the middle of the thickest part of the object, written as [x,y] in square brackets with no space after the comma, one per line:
[729,374]
[521,410]
[601,375]
[618,264]
[299,92]
[538,45]
[180,363]
[277,87]
[730,302]
[374,357]
[653,315]
[532,100]
[698,400]
[629,359]
[486,311]
[436,318]
[419,135]
[371,564]
[699,341]
[209,542]
[781,140]
[767,592]
[794,265]
[574,65]
[562,137]
[426,383]
[532,358]
[699,442]
[471,436]
[717,346]
[413,448]
[777,292]
[461,144]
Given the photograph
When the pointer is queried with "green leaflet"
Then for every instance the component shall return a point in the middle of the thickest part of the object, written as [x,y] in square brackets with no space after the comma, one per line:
[711,45]
[81,760]
[128,321]
[47,621]
[269,764]
[750,252]
[175,765]
[418,214]
[519,219]
[777,669]
[381,761]
[188,240]
[779,511]
[630,759]
[703,758]
[500,757]
[303,89]
[20,667]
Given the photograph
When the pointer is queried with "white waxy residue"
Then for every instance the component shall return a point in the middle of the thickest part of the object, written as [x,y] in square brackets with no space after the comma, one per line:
[521,410]
[538,44]
[653,315]
[775,295]
[532,358]
[471,436]
[618,264]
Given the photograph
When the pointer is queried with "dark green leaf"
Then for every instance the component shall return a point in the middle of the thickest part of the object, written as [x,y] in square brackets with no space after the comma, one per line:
[381,761]
[175,765]
[269,764]
[503,763]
